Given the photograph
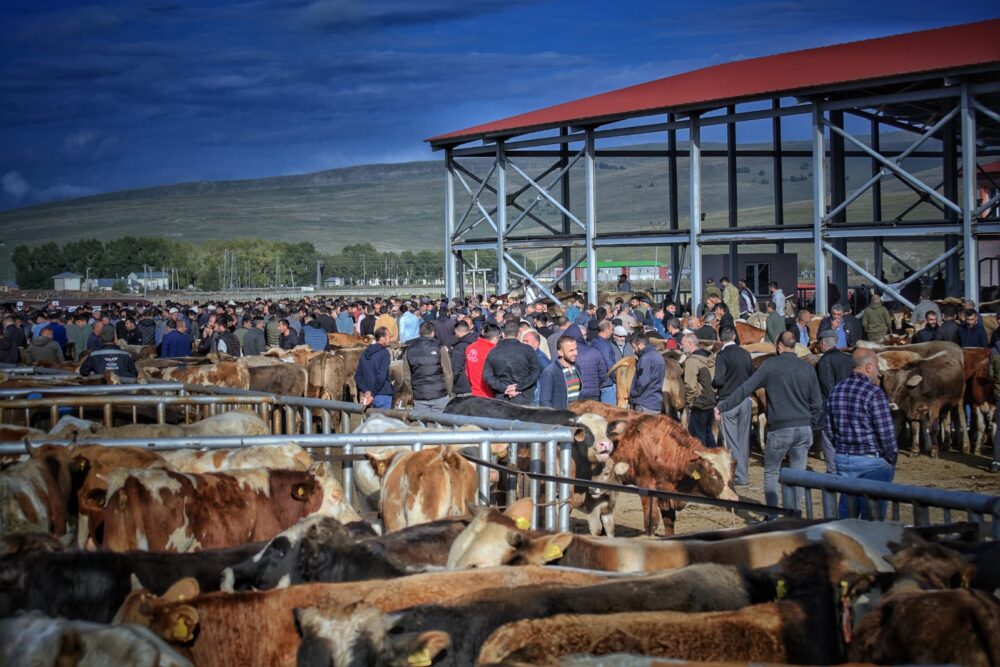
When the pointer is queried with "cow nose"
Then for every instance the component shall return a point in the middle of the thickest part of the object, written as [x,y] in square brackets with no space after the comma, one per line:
[604,449]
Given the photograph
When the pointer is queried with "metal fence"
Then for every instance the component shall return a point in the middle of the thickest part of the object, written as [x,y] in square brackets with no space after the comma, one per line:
[882,500]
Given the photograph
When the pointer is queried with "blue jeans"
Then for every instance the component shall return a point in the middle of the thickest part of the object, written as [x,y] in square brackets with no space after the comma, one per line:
[608,395]
[793,442]
[863,467]
[382,401]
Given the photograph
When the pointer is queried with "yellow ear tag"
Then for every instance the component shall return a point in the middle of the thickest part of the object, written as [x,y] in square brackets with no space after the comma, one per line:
[419,658]
[181,597]
[781,590]
[181,629]
[843,588]
[696,475]
[83,464]
[300,492]
[553,552]
[522,523]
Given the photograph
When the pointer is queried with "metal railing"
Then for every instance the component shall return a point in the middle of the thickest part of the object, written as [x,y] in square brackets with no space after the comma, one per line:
[876,497]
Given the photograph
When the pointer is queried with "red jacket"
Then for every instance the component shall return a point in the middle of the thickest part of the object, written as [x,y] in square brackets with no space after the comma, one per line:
[475,360]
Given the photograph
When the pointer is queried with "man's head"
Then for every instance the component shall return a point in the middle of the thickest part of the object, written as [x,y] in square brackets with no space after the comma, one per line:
[727,334]
[971,317]
[461,328]
[605,329]
[866,363]
[47,332]
[771,307]
[181,326]
[837,312]
[724,280]
[804,317]
[673,325]
[786,342]
[931,320]
[619,334]
[426,330]
[567,350]
[689,343]
[640,343]
[511,329]
[827,340]
[719,309]
[532,339]
[948,312]
[383,336]
[490,332]
[711,320]
[107,335]
[283,326]
[772,286]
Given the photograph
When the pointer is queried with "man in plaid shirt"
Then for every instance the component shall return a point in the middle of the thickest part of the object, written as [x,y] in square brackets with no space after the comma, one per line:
[859,423]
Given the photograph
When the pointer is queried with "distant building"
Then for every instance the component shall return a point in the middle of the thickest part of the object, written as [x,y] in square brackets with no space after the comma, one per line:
[101,284]
[66,281]
[635,270]
[8,286]
[152,280]
[333,281]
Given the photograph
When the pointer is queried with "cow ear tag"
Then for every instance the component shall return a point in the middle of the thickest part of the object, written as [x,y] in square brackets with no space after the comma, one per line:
[552,552]
[522,523]
[696,475]
[421,658]
[300,492]
[781,590]
[181,630]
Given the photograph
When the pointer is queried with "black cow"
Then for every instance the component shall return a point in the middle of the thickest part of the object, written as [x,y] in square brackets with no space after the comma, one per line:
[91,585]
[322,550]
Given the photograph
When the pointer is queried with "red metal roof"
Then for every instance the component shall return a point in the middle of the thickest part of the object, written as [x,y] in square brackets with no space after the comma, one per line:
[910,53]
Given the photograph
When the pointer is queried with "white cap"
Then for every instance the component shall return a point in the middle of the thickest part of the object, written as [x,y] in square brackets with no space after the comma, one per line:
[174,310]
[620,331]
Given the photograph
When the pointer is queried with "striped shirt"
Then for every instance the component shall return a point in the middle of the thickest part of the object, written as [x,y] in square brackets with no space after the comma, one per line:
[858,420]
[573,383]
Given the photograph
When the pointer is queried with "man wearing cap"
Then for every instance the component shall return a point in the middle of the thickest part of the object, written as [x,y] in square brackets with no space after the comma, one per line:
[620,345]
[109,357]
[831,368]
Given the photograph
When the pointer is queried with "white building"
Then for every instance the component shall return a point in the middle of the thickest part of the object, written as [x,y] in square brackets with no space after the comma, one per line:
[67,281]
[152,280]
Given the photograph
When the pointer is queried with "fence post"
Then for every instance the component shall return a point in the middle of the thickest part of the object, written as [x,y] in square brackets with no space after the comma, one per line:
[348,472]
[534,466]
[512,475]
[565,491]
[550,487]
[484,474]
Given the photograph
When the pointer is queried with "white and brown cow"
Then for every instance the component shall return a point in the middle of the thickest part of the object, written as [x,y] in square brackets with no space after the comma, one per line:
[163,510]
[227,423]
[35,493]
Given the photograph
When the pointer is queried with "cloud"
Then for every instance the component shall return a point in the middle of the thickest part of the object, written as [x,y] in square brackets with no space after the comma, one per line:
[342,15]
[14,185]
[89,144]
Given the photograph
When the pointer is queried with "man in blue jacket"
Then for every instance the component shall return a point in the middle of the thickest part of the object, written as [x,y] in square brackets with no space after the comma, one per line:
[372,375]
[176,342]
[590,364]
[602,343]
[559,384]
[646,394]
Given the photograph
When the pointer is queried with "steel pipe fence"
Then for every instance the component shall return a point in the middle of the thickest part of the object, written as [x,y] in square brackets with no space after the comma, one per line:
[877,497]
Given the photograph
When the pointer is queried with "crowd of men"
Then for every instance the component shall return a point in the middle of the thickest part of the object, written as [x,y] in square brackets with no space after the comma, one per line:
[516,350]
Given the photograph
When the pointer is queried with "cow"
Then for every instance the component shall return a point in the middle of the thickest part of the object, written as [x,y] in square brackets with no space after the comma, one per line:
[259,628]
[227,423]
[321,549]
[365,636]
[598,505]
[38,640]
[286,456]
[923,383]
[661,454]
[92,585]
[347,340]
[35,494]
[673,383]
[223,374]
[748,334]
[979,393]
[276,376]
[163,510]
[367,481]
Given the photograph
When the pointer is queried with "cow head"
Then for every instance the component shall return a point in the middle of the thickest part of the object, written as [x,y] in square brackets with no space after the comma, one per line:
[610,473]
[591,433]
[494,539]
[166,615]
[710,473]
[361,634]
[333,503]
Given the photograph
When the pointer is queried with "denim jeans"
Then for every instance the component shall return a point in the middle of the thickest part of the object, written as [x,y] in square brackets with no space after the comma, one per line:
[435,404]
[736,432]
[794,442]
[863,467]
[382,401]
[700,422]
[609,395]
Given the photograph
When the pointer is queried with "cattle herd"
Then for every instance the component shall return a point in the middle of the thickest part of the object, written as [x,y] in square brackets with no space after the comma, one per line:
[117,555]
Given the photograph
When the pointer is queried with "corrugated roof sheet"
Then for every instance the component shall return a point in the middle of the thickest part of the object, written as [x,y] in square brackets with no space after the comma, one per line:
[925,51]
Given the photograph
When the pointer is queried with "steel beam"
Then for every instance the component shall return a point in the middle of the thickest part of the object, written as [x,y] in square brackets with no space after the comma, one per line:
[695,203]
[673,206]
[590,231]
[564,197]
[924,269]
[450,267]
[819,209]
[502,284]
[530,278]
[778,169]
[732,193]
[876,281]
[838,194]
[971,250]
[949,172]
[544,192]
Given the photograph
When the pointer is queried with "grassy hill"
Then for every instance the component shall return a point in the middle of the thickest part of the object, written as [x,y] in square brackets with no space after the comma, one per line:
[400,206]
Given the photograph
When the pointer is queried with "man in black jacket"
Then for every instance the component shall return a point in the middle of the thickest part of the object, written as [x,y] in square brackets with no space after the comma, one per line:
[287,337]
[846,328]
[430,370]
[794,410]
[372,374]
[511,368]
[109,357]
[930,331]
[831,368]
[732,368]
[464,337]
[444,326]
[948,330]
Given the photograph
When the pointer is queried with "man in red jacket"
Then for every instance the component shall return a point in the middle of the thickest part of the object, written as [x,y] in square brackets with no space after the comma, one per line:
[475,360]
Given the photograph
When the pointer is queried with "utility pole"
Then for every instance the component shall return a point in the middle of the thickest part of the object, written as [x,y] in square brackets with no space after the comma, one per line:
[319,277]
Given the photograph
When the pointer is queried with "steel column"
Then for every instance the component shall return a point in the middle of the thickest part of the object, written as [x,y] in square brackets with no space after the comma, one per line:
[590,197]
[564,197]
[732,193]
[502,285]
[550,487]
[674,206]
[695,195]
[819,208]
[949,171]
[875,139]
[779,195]
[969,177]
[838,194]
[449,225]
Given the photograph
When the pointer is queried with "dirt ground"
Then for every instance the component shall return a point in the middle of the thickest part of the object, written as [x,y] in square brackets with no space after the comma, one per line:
[953,470]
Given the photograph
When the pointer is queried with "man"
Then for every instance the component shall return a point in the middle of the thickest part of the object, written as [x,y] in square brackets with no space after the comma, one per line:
[43,347]
[846,330]
[590,364]
[801,327]
[925,306]
[559,384]
[10,353]
[831,368]
[732,368]
[973,334]
[255,341]
[930,331]
[995,375]
[246,324]
[132,335]
[948,330]
[674,333]
[409,324]
[109,357]
[602,343]
[699,397]
[876,320]
[559,326]
[774,325]
[287,338]
[84,329]
[859,423]
[627,317]
[313,334]
[372,374]
[475,360]
[176,343]
[444,326]
[345,323]
[777,298]
[711,291]
[646,393]
[464,337]
[430,370]
[730,296]
[532,339]
[620,345]
[723,318]
[511,368]
[655,321]
[748,302]
[707,331]
[623,285]
[385,319]
[794,410]
[226,341]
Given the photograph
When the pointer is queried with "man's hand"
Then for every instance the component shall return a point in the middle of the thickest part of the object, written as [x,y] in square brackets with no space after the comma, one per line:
[718,415]
[367,398]
[511,391]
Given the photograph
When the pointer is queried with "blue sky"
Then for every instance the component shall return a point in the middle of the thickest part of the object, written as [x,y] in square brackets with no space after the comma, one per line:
[103,96]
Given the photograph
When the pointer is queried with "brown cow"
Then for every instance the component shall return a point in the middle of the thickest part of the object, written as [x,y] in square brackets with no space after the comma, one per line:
[35,494]
[222,374]
[979,392]
[212,629]
[661,454]
[748,334]
[275,376]
[163,510]
[347,340]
